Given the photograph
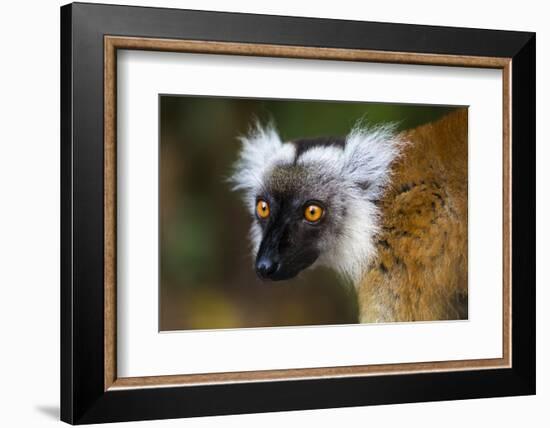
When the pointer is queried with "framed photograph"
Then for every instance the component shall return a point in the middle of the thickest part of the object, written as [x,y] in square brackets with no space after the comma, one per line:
[265,213]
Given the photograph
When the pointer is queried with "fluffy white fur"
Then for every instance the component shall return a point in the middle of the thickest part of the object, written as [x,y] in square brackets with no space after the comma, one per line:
[364,170]
[368,156]
[354,176]
[262,149]
[351,253]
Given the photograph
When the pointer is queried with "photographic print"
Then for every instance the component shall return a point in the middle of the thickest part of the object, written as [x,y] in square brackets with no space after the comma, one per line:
[295,213]
[204,210]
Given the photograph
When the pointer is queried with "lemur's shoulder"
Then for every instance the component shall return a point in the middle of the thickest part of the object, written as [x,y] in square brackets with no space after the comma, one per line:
[420,270]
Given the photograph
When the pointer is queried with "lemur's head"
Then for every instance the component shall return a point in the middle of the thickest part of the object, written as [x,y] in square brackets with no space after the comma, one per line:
[314,200]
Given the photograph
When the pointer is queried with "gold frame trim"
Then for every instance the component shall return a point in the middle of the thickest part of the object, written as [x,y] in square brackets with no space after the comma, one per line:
[113,43]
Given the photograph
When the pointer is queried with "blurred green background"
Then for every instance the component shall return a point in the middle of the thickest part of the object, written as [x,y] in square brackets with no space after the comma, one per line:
[207,278]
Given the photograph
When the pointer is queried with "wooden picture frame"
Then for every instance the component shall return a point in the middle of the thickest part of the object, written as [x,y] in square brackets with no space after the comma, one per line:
[91,391]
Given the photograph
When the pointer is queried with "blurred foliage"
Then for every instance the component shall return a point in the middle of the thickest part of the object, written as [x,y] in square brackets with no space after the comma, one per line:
[207,278]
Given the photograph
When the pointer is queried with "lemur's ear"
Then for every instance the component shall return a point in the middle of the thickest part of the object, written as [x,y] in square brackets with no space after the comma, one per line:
[259,147]
[368,154]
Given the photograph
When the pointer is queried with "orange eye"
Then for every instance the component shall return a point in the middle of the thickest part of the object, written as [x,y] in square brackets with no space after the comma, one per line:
[313,213]
[262,209]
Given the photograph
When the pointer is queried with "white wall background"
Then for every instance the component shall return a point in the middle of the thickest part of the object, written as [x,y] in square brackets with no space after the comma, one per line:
[29,214]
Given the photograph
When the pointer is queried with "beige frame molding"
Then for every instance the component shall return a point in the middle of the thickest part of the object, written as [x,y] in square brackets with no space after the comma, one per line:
[113,43]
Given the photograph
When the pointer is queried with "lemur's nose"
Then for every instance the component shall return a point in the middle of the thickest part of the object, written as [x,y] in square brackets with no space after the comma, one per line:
[265,267]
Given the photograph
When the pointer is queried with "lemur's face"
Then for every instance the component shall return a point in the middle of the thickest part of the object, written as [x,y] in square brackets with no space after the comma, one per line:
[313,201]
[295,218]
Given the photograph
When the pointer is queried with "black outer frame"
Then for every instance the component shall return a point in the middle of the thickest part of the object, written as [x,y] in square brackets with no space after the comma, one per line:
[83,399]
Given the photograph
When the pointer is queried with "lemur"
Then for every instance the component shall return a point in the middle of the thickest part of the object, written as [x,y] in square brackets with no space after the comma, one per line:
[386,210]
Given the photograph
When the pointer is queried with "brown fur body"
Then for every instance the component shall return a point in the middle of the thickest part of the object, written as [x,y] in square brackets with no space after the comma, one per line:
[420,270]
